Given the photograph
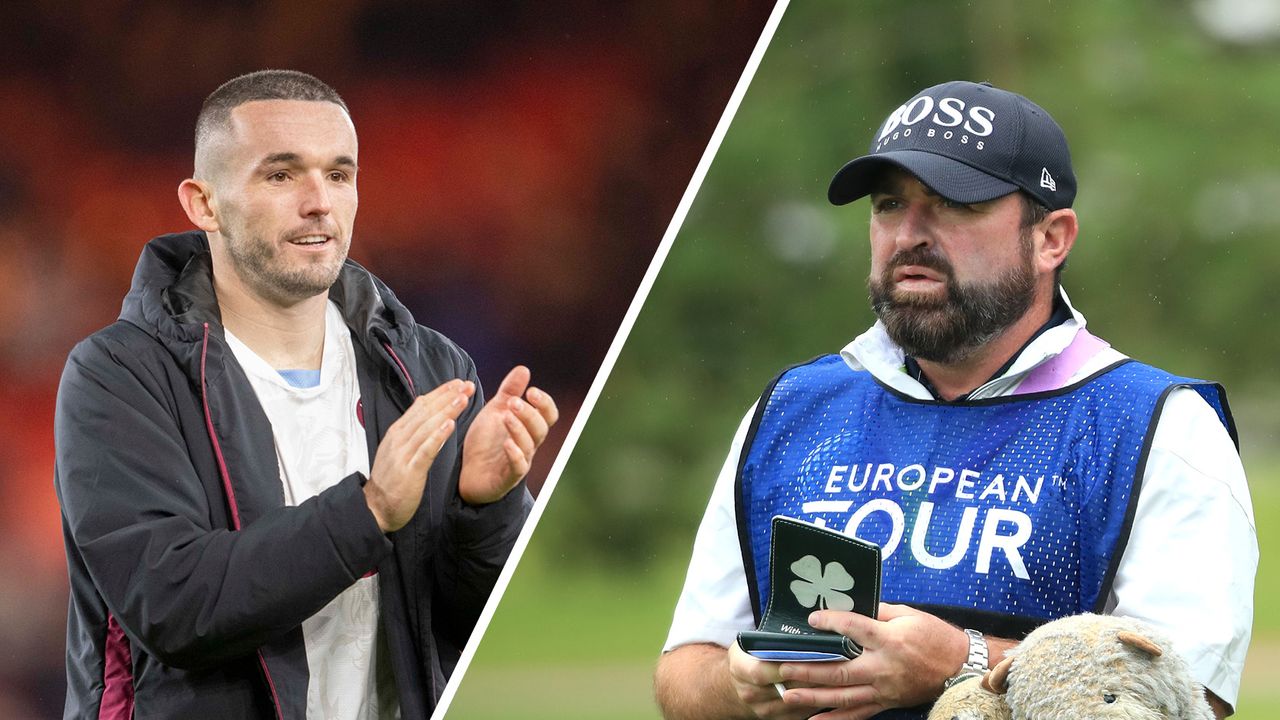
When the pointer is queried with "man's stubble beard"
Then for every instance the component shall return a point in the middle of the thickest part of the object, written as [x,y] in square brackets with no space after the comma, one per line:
[950,328]
[259,264]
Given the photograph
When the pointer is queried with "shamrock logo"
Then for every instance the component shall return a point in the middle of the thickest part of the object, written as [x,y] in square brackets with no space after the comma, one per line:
[821,589]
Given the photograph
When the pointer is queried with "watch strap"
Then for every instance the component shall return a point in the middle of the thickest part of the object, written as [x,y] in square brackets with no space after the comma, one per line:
[978,661]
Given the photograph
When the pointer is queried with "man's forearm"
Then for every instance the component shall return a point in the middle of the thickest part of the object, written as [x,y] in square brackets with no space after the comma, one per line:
[479,542]
[692,682]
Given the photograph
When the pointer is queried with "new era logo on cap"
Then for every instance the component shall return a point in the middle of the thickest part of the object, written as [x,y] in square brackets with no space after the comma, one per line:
[969,142]
[1046,180]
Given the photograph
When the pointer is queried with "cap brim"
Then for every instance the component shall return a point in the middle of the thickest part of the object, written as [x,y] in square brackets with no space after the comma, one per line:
[949,178]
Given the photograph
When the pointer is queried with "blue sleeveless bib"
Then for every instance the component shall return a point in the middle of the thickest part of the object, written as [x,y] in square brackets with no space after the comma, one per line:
[996,514]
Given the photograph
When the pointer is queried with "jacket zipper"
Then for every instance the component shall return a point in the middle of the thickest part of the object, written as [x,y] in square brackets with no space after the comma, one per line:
[413,393]
[231,496]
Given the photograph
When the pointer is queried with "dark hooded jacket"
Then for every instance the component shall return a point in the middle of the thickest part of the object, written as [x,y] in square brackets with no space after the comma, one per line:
[190,577]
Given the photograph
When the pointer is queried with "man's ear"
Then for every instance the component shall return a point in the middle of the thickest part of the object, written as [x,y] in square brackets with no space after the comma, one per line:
[197,200]
[1058,231]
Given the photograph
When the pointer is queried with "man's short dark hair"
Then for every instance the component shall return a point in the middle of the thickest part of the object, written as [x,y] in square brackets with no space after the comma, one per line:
[260,85]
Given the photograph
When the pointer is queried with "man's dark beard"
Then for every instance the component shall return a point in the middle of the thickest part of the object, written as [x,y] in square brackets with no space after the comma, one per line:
[948,329]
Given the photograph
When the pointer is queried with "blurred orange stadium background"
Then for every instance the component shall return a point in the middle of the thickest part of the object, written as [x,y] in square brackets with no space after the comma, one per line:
[519,163]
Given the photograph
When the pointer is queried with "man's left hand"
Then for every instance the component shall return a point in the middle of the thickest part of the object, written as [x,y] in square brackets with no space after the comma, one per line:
[907,655]
[503,438]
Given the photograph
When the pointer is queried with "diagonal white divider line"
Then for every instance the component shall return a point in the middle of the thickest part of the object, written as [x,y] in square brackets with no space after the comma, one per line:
[611,357]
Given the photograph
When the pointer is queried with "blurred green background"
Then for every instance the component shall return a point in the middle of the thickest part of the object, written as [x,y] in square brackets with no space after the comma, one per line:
[1173,113]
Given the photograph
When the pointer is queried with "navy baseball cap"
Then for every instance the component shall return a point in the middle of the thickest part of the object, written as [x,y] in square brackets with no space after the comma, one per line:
[969,142]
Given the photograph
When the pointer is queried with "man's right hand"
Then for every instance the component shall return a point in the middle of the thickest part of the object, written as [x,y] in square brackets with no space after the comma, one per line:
[754,681]
[703,680]
[399,471]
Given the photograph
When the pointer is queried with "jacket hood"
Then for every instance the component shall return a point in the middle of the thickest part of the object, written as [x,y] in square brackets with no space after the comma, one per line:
[172,296]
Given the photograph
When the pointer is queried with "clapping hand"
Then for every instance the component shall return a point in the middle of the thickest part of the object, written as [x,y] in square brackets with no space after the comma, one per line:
[503,438]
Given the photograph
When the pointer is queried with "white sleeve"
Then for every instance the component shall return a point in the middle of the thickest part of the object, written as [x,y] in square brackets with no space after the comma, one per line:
[1193,551]
[715,603]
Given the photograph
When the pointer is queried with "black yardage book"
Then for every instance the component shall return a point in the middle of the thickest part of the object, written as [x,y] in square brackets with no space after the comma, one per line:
[813,568]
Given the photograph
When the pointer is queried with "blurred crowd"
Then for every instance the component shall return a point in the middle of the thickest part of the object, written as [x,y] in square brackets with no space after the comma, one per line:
[519,163]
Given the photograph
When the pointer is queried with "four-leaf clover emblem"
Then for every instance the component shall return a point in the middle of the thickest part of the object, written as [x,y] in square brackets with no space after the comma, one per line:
[819,588]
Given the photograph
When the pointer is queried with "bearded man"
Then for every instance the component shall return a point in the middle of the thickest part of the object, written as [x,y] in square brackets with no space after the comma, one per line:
[281,496]
[1013,467]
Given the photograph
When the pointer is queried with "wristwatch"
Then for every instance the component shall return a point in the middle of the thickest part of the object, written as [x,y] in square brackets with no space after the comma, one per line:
[977,663]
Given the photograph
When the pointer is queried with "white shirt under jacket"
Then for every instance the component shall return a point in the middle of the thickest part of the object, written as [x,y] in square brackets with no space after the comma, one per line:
[1188,567]
[319,440]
